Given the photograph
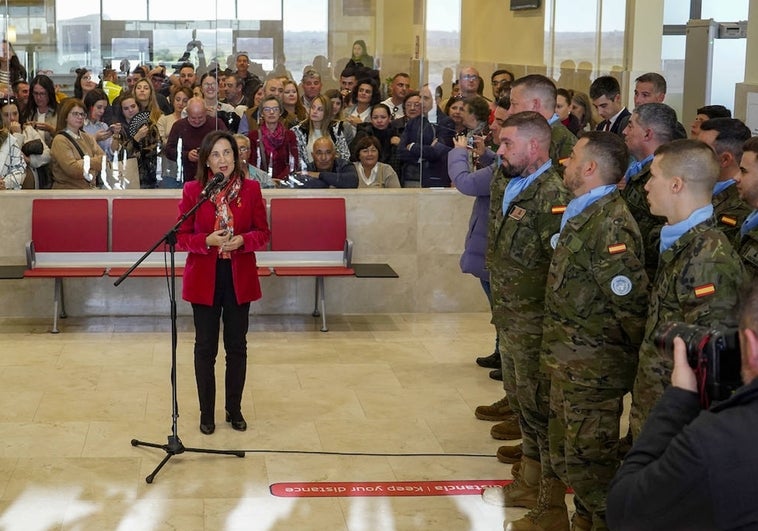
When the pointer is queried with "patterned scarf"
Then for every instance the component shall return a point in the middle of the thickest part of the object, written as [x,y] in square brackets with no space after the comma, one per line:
[224,217]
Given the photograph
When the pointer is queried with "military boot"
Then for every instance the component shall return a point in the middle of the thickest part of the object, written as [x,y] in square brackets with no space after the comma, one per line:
[523,491]
[497,411]
[508,430]
[580,523]
[550,514]
[509,454]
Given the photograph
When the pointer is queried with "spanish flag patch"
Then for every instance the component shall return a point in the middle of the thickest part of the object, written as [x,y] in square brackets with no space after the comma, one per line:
[560,209]
[728,220]
[705,290]
[617,248]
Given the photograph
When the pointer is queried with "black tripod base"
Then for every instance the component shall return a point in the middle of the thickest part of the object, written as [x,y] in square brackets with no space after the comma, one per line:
[175,447]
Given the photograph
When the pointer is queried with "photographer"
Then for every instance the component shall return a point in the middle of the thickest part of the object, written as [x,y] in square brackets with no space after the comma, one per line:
[692,469]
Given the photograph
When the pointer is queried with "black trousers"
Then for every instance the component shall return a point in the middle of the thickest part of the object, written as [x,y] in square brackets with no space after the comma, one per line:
[207,327]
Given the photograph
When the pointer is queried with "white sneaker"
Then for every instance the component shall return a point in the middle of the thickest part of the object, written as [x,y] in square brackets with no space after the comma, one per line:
[494,496]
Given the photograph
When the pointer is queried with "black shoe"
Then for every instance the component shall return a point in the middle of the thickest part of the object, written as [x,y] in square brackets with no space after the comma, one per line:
[497,374]
[490,362]
[238,423]
[207,428]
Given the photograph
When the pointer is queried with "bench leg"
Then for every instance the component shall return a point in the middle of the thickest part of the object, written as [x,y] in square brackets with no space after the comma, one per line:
[63,302]
[316,311]
[57,288]
[322,302]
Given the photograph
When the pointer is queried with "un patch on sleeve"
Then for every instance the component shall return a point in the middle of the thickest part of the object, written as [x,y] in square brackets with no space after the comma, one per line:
[621,285]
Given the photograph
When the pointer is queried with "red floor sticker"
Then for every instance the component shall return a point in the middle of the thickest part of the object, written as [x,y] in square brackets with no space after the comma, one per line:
[338,489]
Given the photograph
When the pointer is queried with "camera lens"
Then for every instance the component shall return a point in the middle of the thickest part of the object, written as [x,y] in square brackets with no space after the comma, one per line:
[695,339]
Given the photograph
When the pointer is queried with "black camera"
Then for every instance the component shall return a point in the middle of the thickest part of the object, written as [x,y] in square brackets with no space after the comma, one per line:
[713,354]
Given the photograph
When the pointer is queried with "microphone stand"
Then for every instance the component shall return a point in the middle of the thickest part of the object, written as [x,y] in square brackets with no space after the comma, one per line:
[174,445]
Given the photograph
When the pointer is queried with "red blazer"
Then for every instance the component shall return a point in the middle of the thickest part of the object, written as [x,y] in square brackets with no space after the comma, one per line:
[200,270]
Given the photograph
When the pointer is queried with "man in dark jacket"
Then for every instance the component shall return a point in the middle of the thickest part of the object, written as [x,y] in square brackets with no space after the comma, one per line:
[691,469]
[326,170]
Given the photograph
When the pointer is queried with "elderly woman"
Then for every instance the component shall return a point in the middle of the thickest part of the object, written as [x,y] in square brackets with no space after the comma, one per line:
[371,172]
[248,170]
[35,152]
[476,112]
[70,146]
[273,147]
[220,277]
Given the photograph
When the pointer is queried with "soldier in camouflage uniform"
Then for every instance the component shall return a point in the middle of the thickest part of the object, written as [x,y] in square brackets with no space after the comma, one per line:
[726,136]
[651,125]
[699,275]
[595,311]
[537,93]
[746,243]
[533,202]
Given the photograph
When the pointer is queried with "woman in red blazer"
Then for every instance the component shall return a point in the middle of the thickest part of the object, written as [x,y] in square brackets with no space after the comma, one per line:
[220,276]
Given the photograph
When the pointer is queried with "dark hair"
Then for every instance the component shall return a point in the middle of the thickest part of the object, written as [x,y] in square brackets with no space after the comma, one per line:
[452,101]
[66,107]
[92,97]
[9,100]
[502,71]
[366,141]
[533,124]
[607,86]
[205,150]
[46,83]
[16,70]
[80,73]
[349,71]
[381,106]
[732,134]
[504,100]
[374,90]
[658,81]
[751,144]
[611,153]
[566,93]
[409,95]
[478,107]
[714,111]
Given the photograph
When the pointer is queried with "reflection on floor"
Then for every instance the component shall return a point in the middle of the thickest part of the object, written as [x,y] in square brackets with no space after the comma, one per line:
[391,384]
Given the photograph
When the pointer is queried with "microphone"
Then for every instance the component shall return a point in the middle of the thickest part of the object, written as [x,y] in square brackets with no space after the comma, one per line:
[212,184]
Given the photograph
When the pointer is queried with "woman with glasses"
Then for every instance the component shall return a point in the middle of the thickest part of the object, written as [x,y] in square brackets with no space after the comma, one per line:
[216,108]
[220,277]
[273,147]
[70,146]
[320,124]
[35,152]
[84,83]
[371,172]
[41,111]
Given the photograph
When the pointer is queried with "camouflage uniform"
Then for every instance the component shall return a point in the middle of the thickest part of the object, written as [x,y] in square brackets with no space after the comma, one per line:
[650,226]
[497,191]
[561,143]
[747,249]
[595,310]
[697,283]
[520,259]
[730,211]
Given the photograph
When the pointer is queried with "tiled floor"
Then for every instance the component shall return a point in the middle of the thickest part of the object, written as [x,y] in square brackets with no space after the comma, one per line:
[403,384]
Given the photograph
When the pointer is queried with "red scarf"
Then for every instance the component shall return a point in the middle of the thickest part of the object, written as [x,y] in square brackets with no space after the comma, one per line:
[224,217]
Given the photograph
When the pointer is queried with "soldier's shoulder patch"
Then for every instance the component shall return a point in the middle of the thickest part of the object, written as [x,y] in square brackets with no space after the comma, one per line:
[617,248]
[517,213]
[728,220]
[705,290]
[558,209]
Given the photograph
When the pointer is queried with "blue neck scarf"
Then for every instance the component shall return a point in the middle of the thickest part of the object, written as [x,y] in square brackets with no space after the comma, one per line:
[751,222]
[577,205]
[518,184]
[671,233]
[636,167]
[722,185]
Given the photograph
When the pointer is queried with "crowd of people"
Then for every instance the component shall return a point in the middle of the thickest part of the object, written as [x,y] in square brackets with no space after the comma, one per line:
[586,234]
